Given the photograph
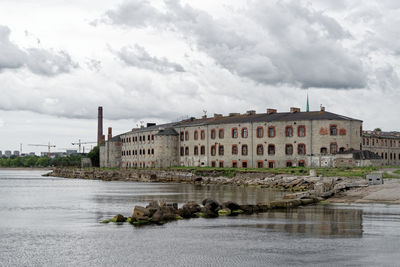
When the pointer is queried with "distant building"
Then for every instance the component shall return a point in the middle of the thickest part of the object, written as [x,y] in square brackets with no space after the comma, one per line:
[32,154]
[16,153]
[7,153]
[384,144]
[71,152]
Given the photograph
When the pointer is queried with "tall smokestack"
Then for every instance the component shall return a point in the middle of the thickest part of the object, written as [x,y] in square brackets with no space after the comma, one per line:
[100,126]
[109,137]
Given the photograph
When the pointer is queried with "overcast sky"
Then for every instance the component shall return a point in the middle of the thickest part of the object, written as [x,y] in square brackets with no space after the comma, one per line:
[158,61]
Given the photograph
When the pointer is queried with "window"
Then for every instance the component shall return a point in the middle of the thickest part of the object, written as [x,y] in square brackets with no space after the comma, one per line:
[186,135]
[289,149]
[244,150]
[202,135]
[301,149]
[213,150]
[140,138]
[148,138]
[220,150]
[363,141]
[152,151]
[182,136]
[202,150]
[182,151]
[324,151]
[271,131]
[301,163]
[234,150]
[212,134]
[234,164]
[385,155]
[271,149]
[301,131]
[289,164]
[260,164]
[196,150]
[333,130]
[333,148]
[341,149]
[144,152]
[196,135]
[152,137]
[368,142]
[187,151]
[221,164]
[148,151]
[260,150]
[213,164]
[260,132]
[289,131]
[234,132]
[271,164]
[244,164]
[245,133]
[221,133]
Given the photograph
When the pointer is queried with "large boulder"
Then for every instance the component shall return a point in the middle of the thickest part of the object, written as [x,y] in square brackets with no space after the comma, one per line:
[231,205]
[140,213]
[211,204]
[164,214]
[189,209]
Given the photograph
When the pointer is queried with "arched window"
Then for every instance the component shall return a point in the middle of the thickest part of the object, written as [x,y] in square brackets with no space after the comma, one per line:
[152,151]
[221,133]
[202,150]
[187,151]
[301,149]
[196,150]
[260,150]
[182,151]
[202,135]
[289,149]
[196,135]
[333,148]
[234,150]
[245,132]
[220,150]
[186,135]
[260,132]
[234,133]
[324,151]
[182,136]
[245,150]
[213,134]
[213,150]
[289,131]
[271,149]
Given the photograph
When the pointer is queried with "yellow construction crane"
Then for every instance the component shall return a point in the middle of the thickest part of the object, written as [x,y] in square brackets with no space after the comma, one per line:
[48,147]
[80,143]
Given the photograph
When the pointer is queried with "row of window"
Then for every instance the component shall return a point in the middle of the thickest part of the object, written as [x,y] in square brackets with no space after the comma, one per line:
[383,142]
[260,164]
[301,150]
[244,133]
[392,156]
[141,138]
[138,152]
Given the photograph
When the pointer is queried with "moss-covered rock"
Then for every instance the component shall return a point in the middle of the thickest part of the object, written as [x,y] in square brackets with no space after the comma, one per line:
[224,212]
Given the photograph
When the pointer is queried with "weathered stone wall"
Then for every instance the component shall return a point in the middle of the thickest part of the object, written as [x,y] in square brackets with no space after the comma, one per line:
[110,154]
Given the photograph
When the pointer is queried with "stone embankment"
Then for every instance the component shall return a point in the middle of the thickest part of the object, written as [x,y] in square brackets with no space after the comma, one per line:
[158,212]
[306,186]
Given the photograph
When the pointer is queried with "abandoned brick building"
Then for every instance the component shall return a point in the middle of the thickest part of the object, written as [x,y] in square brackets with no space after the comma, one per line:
[266,140]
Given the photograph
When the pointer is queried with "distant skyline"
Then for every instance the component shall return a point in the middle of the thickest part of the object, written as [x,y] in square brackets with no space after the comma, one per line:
[157,61]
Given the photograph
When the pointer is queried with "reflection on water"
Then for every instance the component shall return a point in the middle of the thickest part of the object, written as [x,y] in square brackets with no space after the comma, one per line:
[55,222]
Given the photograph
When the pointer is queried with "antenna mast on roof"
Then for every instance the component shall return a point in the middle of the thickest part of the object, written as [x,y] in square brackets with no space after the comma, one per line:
[308,105]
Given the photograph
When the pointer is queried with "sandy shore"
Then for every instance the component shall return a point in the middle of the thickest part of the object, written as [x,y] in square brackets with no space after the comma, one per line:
[388,193]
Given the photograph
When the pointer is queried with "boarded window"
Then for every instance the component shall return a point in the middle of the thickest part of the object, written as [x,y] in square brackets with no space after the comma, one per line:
[271,149]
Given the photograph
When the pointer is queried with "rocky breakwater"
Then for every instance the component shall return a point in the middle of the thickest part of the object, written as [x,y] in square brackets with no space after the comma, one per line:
[307,186]
[159,213]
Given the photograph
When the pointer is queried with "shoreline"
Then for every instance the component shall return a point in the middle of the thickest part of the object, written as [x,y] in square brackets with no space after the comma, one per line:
[26,168]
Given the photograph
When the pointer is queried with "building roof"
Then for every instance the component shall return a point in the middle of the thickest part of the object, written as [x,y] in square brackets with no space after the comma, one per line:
[167,131]
[249,118]
[380,134]
[361,154]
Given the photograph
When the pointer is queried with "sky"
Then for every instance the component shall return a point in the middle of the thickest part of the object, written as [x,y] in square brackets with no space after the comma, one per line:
[164,60]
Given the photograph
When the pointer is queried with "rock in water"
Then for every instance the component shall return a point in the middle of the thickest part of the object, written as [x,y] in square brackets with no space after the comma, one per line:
[231,205]
[140,213]
[119,218]
[211,204]
[189,209]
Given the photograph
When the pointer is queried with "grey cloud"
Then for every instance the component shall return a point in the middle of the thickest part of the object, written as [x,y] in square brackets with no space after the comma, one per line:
[137,56]
[288,44]
[39,61]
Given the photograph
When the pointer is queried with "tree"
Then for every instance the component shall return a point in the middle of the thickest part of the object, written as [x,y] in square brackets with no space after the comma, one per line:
[377,130]
[94,156]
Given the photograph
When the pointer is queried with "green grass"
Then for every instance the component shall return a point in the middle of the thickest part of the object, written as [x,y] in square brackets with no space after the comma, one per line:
[397,172]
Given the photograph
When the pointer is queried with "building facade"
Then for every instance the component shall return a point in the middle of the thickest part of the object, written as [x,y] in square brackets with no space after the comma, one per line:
[384,144]
[250,140]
